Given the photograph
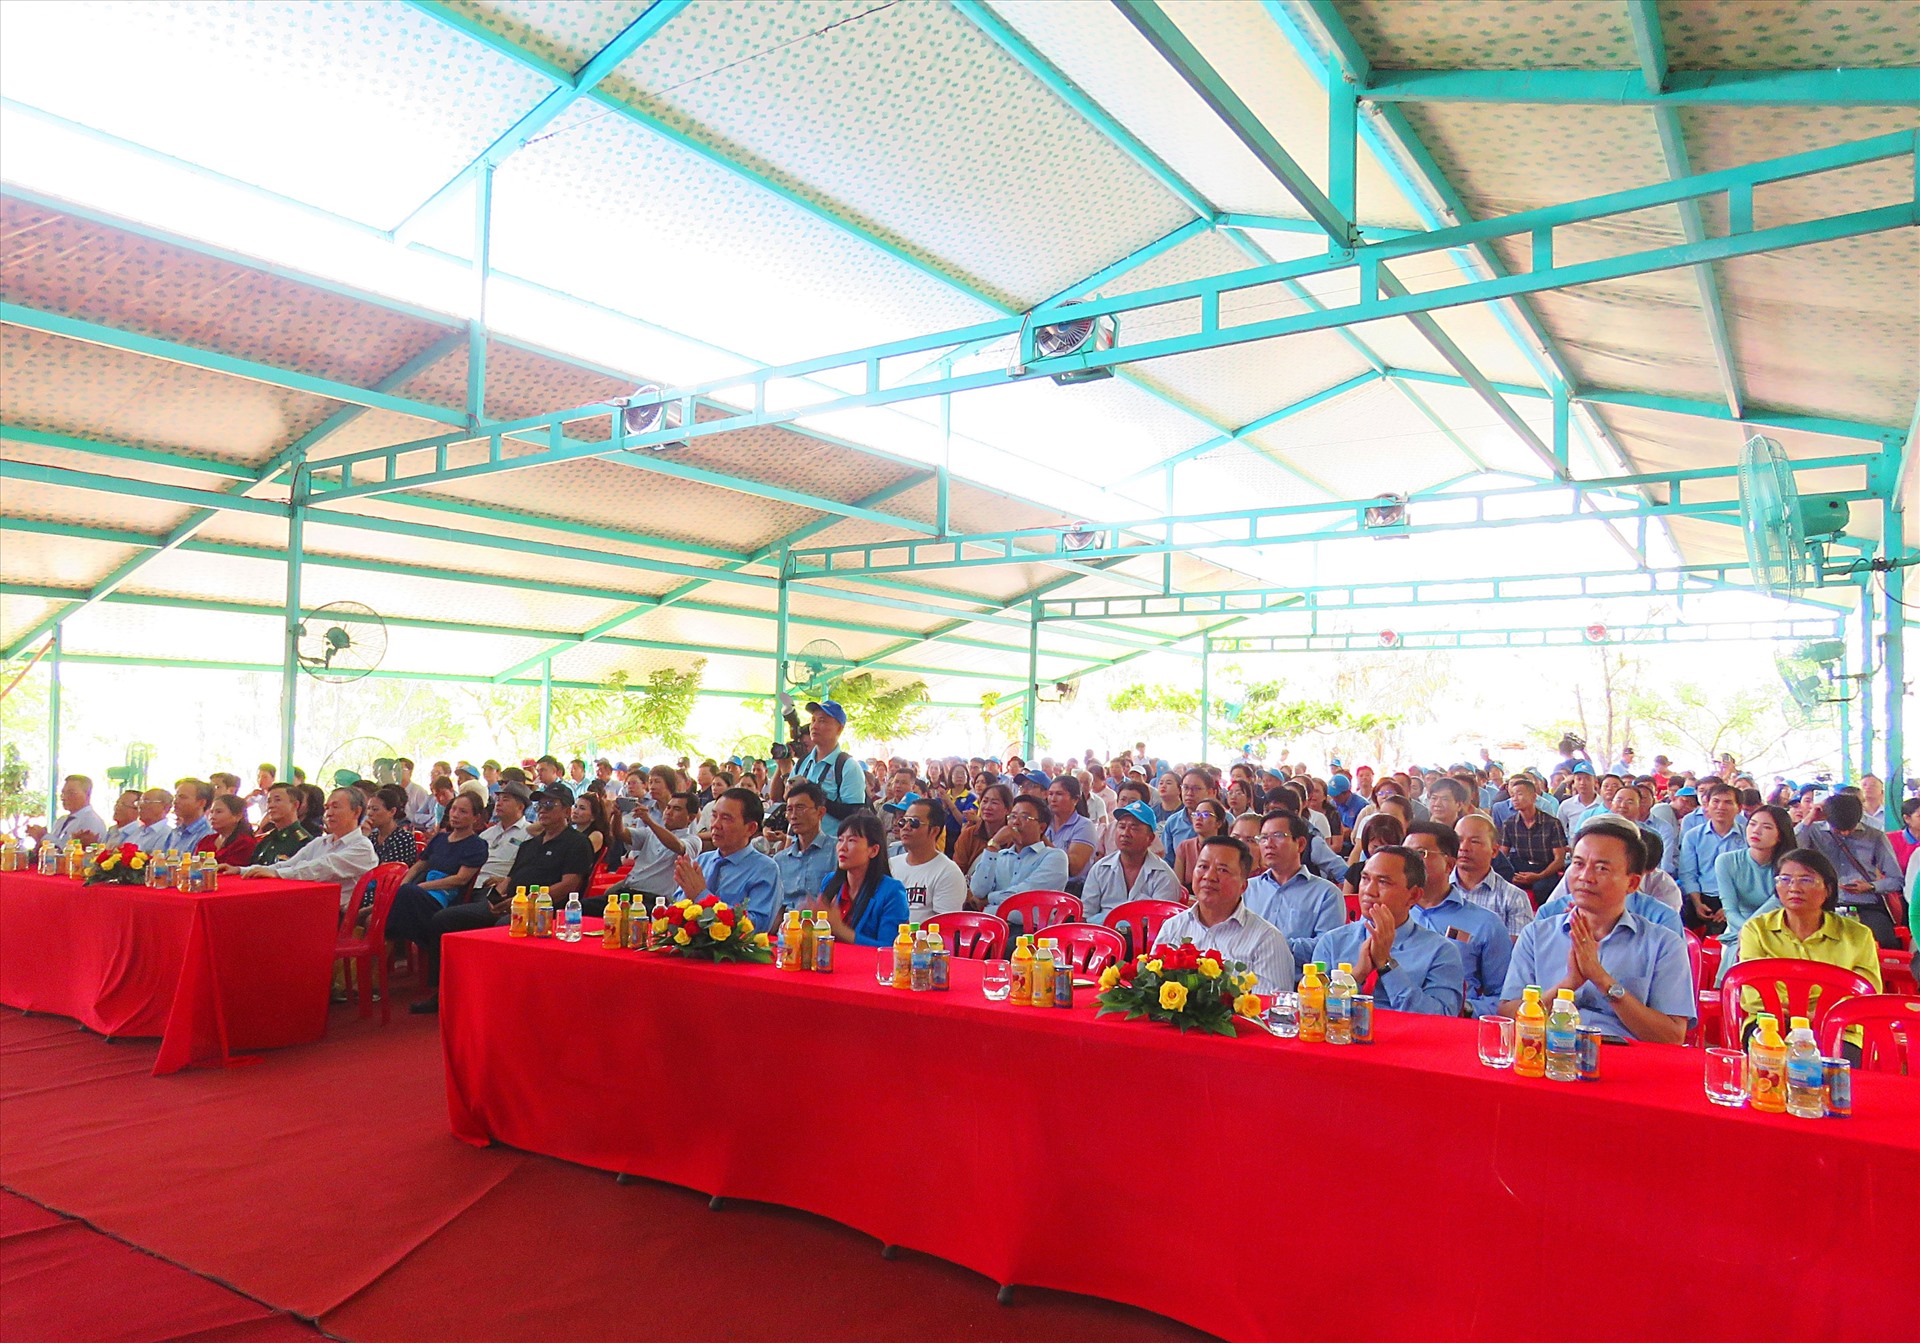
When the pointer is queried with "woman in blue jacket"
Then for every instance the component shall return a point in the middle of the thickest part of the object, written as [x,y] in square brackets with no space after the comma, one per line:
[863,902]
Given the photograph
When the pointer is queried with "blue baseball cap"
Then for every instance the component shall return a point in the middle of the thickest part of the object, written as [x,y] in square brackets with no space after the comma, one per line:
[1339,786]
[830,708]
[1142,813]
[1688,791]
[906,800]
[1582,767]
[1037,778]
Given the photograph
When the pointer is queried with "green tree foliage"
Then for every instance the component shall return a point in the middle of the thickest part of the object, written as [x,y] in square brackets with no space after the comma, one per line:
[877,711]
[1749,724]
[613,716]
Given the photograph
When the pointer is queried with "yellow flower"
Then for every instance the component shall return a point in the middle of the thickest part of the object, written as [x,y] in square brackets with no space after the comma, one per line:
[719,905]
[1245,982]
[1155,967]
[719,932]
[745,925]
[1173,995]
[661,925]
[1109,977]
[1209,967]
[760,940]
[1247,1005]
[681,937]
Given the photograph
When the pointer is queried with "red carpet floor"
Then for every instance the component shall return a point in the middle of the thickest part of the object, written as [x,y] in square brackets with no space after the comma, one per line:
[323,1181]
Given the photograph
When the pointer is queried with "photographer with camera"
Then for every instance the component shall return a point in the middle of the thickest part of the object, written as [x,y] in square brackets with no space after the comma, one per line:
[839,777]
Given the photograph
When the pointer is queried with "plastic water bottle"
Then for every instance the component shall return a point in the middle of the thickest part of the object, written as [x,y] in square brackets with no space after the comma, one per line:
[1806,1073]
[1563,1030]
[571,932]
[1340,990]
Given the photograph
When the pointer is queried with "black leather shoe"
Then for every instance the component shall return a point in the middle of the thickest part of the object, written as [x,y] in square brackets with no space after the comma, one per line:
[428,1004]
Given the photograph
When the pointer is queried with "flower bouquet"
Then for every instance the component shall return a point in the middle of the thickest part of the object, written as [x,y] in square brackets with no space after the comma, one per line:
[123,865]
[1184,986]
[710,929]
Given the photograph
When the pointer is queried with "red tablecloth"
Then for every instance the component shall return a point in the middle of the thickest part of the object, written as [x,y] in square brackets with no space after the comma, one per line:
[245,967]
[1256,1188]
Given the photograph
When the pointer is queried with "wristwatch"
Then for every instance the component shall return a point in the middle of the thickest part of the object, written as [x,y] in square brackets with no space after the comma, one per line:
[1617,992]
[1385,966]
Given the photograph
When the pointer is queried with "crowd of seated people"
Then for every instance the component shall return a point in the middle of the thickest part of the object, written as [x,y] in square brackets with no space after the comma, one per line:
[1447,890]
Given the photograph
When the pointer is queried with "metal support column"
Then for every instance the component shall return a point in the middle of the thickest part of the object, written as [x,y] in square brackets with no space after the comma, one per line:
[290,642]
[780,651]
[1868,663]
[1206,698]
[1033,682]
[1848,688]
[942,478]
[546,707]
[1894,665]
[53,727]
[482,266]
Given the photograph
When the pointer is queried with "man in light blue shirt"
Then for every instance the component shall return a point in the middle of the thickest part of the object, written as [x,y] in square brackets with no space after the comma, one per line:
[808,858]
[1724,831]
[1583,802]
[1027,864]
[841,780]
[1301,905]
[733,869]
[1406,966]
[1130,872]
[1630,978]
[1639,903]
[191,824]
[1477,882]
[1479,936]
[149,828]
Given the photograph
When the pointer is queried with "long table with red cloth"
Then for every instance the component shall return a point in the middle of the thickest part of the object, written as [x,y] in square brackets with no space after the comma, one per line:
[1254,1187]
[242,968]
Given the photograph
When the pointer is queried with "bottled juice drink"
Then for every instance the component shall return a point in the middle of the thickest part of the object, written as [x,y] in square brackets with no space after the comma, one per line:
[76,859]
[1040,987]
[1022,960]
[1340,991]
[655,937]
[920,977]
[613,931]
[822,946]
[903,957]
[807,935]
[1767,1067]
[542,913]
[792,942]
[1530,1035]
[1806,1073]
[1562,1038]
[9,855]
[46,858]
[1313,1004]
[522,908]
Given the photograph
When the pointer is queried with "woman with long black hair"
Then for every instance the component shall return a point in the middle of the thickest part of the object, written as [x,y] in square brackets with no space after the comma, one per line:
[863,902]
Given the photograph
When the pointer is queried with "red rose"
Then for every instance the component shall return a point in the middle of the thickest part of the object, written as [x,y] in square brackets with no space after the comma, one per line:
[1126,974]
[127,851]
[674,916]
[1189,958]
[1226,996]
[710,902]
[1215,955]
[726,916]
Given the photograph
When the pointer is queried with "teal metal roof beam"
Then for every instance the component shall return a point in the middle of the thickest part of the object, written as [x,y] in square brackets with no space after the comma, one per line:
[1091,667]
[1683,88]
[1650,43]
[1266,421]
[1544,636]
[190,526]
[604,62]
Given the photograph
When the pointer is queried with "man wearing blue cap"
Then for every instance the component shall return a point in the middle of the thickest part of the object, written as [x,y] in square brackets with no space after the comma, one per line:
[1349,803]
[840,777]
[1584,802]
[1130,872]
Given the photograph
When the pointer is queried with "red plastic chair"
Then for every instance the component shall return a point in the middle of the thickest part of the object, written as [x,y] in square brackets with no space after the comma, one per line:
[1787,988]
[1703,960]
[1896,972]
[1890,1030]
[1088,946]
[368,951]
[973,937]
[1138,922]
[1040,909]
[1353,908]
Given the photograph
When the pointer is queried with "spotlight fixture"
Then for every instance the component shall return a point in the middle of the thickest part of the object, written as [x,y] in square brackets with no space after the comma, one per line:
[1389,510]
[644,410]
[1080,335]
[1081,537]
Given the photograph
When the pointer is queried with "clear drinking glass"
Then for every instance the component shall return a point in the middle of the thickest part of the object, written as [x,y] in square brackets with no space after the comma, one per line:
[1284,1015]
[996,980]
[883,967]
[1726,1077]
[1496,1041]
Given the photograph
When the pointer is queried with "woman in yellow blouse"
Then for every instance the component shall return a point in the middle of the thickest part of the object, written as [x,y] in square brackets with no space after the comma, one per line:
[1806,926]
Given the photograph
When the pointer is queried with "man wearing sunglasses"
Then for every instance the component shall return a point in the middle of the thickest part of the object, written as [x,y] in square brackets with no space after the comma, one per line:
[935,884]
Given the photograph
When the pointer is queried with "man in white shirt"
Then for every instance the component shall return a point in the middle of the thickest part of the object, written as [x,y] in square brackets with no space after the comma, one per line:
[191,824]
[935,884]
[1130,872]
[654,846]
[79,821]
[1475,879]
[340,853]
[1220,919]
[150,828]
[504,837]
[422,810]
